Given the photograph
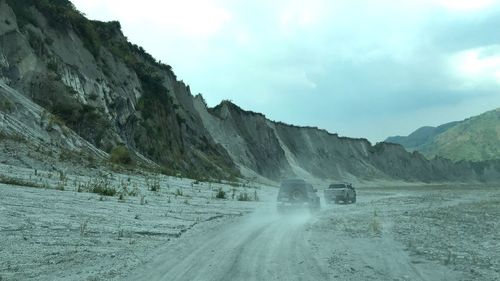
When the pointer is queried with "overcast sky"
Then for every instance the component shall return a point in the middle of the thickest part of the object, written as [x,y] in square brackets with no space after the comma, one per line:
[358,68]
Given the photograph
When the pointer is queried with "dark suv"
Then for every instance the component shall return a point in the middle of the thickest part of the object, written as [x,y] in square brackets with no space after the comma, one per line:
[296,194]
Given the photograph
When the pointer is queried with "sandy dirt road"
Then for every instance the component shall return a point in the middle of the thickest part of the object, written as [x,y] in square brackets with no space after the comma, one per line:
[392,233]
[342,242]
[263,246]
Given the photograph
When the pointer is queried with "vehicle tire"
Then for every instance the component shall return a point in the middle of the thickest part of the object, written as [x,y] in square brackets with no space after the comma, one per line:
[297,195]
[354,199]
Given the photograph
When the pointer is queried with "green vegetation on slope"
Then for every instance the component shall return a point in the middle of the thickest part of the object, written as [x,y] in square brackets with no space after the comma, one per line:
[421,136]
[474,139]
[157,127]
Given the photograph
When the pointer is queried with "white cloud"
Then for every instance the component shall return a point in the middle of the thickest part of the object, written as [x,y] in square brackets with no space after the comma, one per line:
[301,14]
[308,53]
[466,5]
[193,18]
[477,66]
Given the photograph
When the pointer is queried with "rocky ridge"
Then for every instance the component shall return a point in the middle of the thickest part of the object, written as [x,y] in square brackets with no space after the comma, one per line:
[86,77]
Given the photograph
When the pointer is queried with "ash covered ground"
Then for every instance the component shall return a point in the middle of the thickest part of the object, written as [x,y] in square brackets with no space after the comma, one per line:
[53,226]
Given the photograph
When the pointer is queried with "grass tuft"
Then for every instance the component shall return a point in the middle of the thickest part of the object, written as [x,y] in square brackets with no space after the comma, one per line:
[18,182]
[221,194]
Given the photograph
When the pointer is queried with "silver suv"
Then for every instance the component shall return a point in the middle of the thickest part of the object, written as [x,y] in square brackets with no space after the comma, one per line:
[340,192]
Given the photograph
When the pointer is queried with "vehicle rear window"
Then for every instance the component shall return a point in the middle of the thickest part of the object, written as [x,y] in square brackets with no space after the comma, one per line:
[337,185]
[287,186]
